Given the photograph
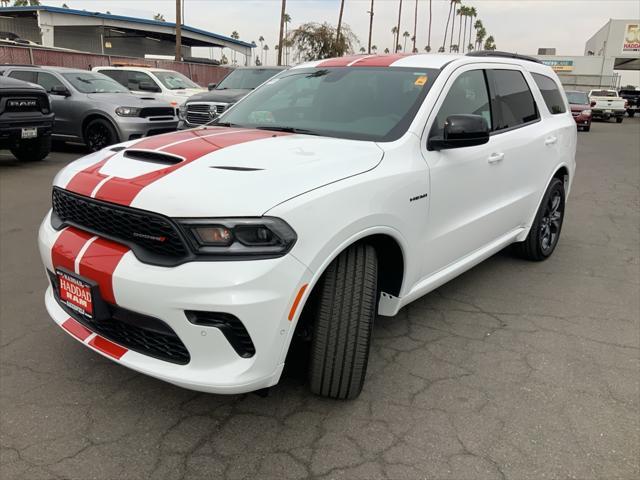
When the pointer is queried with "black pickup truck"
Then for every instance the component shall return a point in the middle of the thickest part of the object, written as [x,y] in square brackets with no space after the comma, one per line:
[633,100]
[26,119]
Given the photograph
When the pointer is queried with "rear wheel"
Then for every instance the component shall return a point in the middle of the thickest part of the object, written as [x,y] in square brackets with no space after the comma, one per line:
[545,231]
[631,113]
[99,134]
[586,129]
[343,321]
[619,119]
[32,150]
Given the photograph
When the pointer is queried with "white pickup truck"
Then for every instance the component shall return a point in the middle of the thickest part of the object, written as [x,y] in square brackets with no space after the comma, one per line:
[606,104]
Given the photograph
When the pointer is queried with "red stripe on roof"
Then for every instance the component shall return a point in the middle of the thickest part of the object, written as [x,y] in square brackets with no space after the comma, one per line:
[98,264]
[340,61]
[76,329]
[108,347]
[363,60]
[67,246]
[87,180]
[123,190]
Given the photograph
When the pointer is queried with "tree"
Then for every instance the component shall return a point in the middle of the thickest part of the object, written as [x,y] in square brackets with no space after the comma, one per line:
[472,13]
[470,47]
[427,48]
[405,36]
[339,29]
[429,34]
[315,41]
[287,21]
[281,37]
[235,35]
[224,60]
[26,3]
[374,49]
[453,20]
[481,33]
[64,5]
[363,50]
[386,51]
[444,40]
[477,26]
[441,50]
[415,27]
[261,40]
[490,44]
[461,13]
[394,32]
[397,39]
[454,48]
[370,12]
[266,51]
[158,17]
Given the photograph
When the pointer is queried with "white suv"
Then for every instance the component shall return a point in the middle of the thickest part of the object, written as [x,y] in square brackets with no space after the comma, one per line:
[168,85]
[341,189]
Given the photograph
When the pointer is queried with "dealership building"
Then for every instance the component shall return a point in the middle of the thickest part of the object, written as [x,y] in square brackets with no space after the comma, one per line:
[107,34]
[613,48]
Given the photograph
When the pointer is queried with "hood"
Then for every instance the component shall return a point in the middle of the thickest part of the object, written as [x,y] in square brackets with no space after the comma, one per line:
[127,99]
[217,172]
[231,95]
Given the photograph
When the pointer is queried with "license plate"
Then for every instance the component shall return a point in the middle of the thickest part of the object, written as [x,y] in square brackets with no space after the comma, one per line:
[608,111]
[75,293]
[29,132]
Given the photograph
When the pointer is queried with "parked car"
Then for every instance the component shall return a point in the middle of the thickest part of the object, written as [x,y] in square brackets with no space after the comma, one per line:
[93,109]
[632,97]
[606,104]
[26,120]
[580,109]
[202,108]
[347,188]
[168,85]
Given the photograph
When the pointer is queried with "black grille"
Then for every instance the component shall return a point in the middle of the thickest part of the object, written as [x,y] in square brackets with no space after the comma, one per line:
[141,333]
[152,237]
[157,112]
[198,113]
[230,326]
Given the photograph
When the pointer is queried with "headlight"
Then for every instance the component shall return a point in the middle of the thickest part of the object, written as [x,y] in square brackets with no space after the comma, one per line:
[261,236]
[586,112]
[128,111]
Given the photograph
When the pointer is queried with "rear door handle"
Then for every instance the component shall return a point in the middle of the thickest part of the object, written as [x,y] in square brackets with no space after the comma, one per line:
[550,140]
[496,157]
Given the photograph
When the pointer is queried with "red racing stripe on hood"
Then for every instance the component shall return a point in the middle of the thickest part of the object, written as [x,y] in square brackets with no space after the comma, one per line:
[85,181]
[123,190]
[98,264]
[158,141]
[67,247]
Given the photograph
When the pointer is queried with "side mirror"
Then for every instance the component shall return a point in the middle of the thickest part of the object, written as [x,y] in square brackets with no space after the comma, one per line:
[211,86]
[461,131]
[60,90]
[148,87]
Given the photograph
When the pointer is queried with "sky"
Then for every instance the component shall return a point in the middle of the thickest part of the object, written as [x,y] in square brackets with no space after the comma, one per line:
[517,25]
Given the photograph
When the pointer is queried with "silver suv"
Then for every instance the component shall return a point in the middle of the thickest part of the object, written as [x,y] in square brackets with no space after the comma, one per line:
[94,109]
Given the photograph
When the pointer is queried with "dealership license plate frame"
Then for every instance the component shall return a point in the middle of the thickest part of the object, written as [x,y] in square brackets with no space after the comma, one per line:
[29,133]
[88,288]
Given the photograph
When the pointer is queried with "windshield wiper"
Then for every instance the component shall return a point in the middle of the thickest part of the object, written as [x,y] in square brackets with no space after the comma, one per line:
[224,124]
[302,131]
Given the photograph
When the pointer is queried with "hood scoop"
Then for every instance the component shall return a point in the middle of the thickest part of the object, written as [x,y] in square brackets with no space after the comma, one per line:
[153,156]
[236,169]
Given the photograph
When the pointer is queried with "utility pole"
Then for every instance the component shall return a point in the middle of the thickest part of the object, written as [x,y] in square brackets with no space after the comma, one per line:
[178,31]
[370,26]
[395,47]
[281,42]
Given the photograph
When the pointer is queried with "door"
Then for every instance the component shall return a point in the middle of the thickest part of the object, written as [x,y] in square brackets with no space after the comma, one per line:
[62,105]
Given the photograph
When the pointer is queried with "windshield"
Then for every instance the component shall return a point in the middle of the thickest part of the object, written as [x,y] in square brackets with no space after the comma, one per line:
[577,98]
[175,80]
[90,82]
[603,93]
[360,103]
[247,79]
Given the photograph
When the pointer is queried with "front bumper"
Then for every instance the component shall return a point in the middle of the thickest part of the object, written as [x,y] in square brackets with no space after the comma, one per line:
[259,293]
[11,129]
[131,128]
[604,113]
[582,120]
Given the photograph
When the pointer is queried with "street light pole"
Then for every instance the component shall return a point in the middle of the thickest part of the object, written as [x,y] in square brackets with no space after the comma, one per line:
[178,31]
[370,26]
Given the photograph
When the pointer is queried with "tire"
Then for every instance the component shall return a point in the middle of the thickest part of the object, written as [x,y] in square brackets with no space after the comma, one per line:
[586,129]
[631,113]
[98,134]
[32,150]
[545,231]
[619,119]
[343,321]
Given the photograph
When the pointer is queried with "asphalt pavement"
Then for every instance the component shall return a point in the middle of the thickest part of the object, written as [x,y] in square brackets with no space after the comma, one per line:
[514,370]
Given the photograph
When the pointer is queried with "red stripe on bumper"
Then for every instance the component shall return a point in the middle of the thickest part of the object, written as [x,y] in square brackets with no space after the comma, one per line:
[107,347]
[67,246]
[98,264]
[76,329]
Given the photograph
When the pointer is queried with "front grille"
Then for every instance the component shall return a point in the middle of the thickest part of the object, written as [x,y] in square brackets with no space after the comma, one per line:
[157,112]
[199,113]
[141,333]
[22,104]
[152,237]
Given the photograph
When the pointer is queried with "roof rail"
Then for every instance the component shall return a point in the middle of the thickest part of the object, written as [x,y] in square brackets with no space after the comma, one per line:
[497,53]
[19,65]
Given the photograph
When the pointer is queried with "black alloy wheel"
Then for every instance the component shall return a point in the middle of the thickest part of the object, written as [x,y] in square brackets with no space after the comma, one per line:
[99,134]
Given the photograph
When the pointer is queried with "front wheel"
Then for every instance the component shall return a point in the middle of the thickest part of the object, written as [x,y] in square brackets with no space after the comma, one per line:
[343,321]
[545,231]
[586,129]
[619,119]
[32,150]
[631,113]
[99,134]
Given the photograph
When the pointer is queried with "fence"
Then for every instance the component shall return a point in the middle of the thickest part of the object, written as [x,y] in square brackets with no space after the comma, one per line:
[589,82]
[200,73]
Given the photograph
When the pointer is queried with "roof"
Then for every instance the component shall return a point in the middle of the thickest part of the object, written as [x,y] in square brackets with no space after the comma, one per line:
[122,18]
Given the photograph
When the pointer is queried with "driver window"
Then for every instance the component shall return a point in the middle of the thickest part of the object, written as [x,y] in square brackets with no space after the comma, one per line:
[467,95]
[136,78]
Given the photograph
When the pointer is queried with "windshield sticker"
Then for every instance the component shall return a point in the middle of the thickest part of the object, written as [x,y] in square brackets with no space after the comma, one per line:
[421,80]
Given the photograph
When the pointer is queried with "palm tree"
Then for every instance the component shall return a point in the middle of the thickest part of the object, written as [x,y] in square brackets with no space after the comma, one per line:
[266,51]
[386,50]
[477,26]
[397,40]
[429,35]
[287,21]
[261,40]
[490,43]
[374,48]
[415,27]
[482,32]
[363,50]
[453,18]
[338,30]
[444,40]
[472,12]
[454,48]
[405,36]
[283,11]
[235,35]
[460,13]
[394,31]
[427,48]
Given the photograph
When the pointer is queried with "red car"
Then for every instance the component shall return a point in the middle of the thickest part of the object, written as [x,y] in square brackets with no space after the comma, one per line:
[580,109]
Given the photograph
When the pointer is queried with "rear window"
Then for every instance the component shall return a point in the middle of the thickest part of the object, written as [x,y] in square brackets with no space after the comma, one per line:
[577,98]
[24,75]
[550,93]
[511,99]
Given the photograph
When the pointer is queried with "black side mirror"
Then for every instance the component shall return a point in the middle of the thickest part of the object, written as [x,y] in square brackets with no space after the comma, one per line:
[211,86]
[148,87]
[461,131]
[60,90]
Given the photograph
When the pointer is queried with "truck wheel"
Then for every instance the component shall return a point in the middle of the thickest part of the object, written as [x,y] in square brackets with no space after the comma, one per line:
[343,322]
[586,129]
[545,231]
[631,113]
[32,150]
[619,119]
[99,134]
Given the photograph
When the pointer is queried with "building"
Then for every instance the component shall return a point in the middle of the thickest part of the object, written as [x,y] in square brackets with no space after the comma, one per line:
[615,47]
[108,34]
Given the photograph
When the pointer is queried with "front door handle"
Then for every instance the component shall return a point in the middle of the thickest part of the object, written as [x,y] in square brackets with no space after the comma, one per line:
[496,157]
[550,140]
